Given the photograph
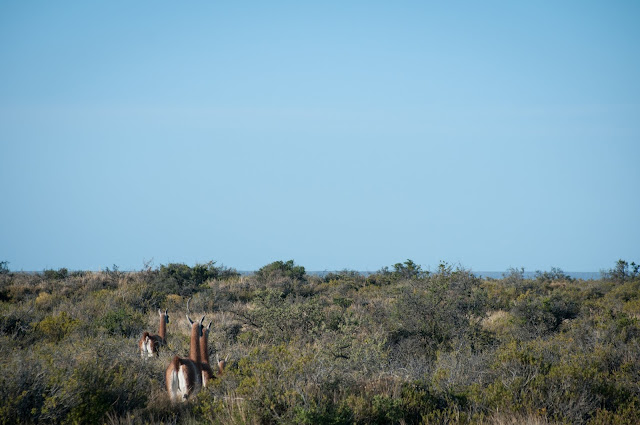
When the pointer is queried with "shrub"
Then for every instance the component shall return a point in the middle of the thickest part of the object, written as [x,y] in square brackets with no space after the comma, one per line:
[406,270]
[554,275]
[622,271]
[439,308]
[278,270]
[539,315]
[277,317]
[4,267]
[122,321]
[16,321]
[626,414]
[344,275]
[99,390]
[47,301]
[197,274]
[23,387]
[56,274]
[183,280]
[57,327]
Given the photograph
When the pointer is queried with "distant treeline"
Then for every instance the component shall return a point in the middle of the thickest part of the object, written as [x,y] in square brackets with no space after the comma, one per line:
[402,345]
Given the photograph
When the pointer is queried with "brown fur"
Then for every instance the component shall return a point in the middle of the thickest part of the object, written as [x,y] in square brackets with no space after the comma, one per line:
[196,334]
[189,376]
[221,365]
[207,372]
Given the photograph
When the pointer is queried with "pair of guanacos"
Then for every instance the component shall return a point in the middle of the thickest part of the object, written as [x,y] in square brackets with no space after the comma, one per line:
[183,376]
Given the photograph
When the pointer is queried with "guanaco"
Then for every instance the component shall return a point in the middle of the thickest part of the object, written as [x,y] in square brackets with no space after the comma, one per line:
[184,375]
[149,345]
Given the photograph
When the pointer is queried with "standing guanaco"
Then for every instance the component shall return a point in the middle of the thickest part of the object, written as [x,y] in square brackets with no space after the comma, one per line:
[184,375]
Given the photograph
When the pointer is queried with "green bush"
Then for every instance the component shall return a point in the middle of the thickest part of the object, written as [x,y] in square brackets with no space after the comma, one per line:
[197,274]
[99,391]
[440,308]
[56,274]
[623,271]
[23,388]
[123,322]
[57,327]
[185,280]
[16,321]
[277,317]
[539,315]
[406,270]
[278,270]
[554,275]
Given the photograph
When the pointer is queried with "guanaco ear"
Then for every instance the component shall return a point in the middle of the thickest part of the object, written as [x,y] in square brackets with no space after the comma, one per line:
[209,326]
[160,312]
[201,320]
[189,319]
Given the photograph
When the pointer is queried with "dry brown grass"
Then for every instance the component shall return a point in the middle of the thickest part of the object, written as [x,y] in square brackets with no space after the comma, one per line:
[497,321]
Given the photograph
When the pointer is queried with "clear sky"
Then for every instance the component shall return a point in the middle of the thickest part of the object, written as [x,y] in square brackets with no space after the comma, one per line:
[339,134]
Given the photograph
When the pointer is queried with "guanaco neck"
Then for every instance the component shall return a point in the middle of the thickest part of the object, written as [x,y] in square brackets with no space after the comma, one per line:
[194,353]
[162,330]
[204,352]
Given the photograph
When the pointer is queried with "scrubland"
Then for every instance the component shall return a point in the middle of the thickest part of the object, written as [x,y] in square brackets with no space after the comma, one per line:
[403,346]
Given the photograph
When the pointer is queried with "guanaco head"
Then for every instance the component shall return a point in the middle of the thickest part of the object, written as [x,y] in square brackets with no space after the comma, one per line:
[221,363]
[164,315]
[199,324]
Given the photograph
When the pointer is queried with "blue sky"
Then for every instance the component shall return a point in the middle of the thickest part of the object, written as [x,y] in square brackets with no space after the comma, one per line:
[340,134]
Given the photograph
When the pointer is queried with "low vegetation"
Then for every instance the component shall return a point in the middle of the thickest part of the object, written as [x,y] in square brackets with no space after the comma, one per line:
[403,345]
